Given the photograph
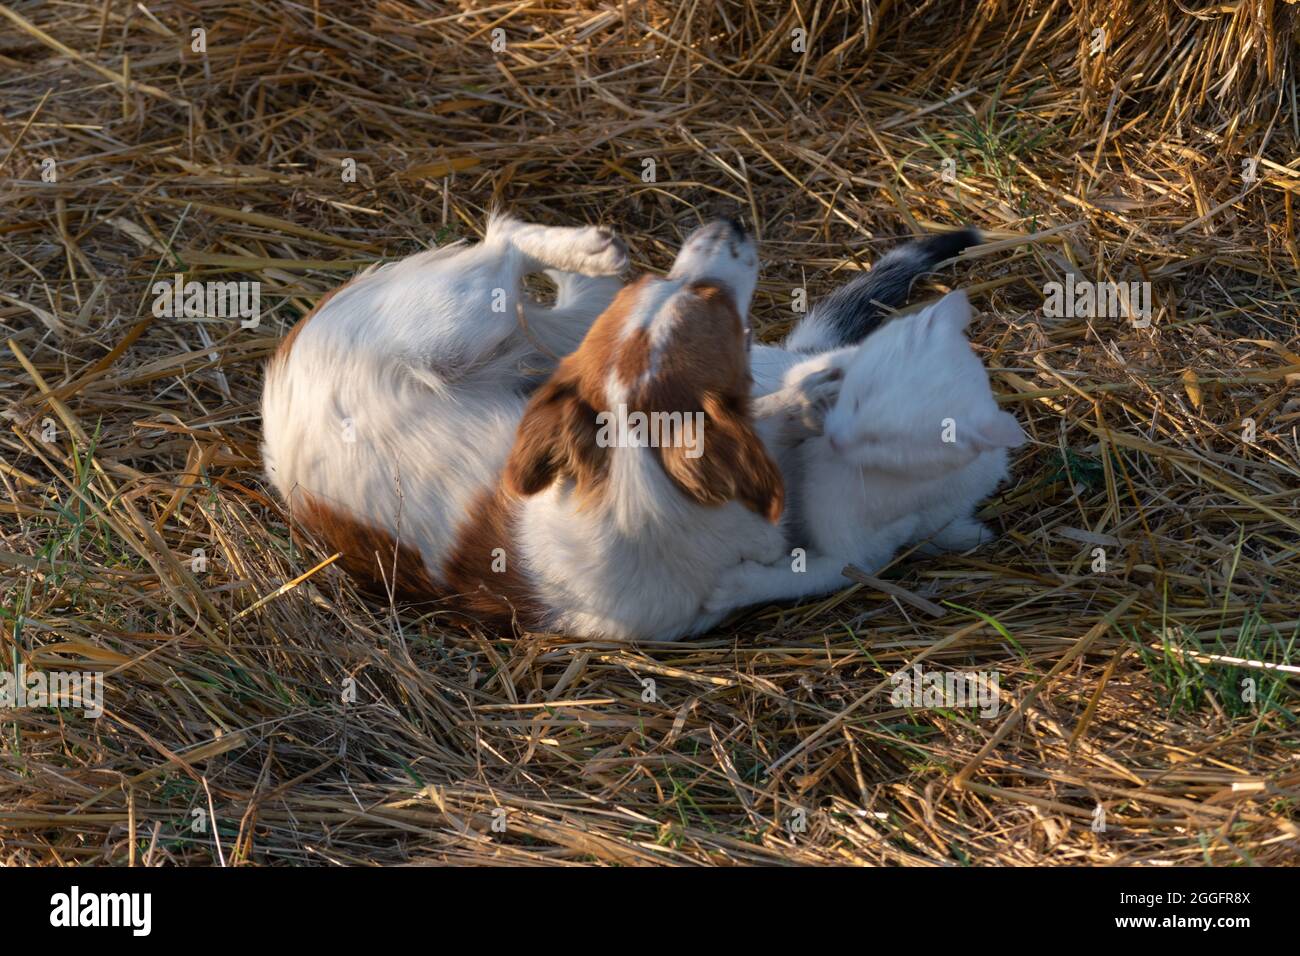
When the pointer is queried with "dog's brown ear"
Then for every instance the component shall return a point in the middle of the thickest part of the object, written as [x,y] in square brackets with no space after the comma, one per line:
[556,438]
[732,464]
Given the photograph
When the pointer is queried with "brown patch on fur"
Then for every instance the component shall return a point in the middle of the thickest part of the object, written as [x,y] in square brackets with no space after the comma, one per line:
[734,463]
[474,575]
[702,368]
[633,358]
[372,556]
[556,437]
[380,564]
[609,344]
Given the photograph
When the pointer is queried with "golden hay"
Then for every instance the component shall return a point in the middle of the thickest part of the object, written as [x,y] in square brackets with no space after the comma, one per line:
[1163,149]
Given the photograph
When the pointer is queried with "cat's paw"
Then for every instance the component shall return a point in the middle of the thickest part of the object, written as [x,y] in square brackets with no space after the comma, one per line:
[804,403]
[819,391]
[604,252]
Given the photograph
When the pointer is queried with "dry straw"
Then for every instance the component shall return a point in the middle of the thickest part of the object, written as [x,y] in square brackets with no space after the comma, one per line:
[1117,156]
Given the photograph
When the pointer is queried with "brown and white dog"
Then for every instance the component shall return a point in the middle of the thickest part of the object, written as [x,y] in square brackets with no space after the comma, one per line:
[404,427]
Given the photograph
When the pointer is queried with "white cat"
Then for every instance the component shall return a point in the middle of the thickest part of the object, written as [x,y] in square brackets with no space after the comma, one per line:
[914,441]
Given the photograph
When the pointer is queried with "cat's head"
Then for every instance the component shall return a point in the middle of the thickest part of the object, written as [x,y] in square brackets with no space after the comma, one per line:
[916,399]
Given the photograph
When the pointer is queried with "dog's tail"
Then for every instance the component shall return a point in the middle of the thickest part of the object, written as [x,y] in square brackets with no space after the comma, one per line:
[854,310]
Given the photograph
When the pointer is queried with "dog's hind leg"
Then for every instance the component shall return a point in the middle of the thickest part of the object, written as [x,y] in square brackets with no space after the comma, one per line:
[588,250]
[487,319]
[579,301]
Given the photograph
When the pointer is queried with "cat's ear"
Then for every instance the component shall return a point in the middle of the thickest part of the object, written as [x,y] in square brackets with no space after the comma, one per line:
[953,310]
[997,430]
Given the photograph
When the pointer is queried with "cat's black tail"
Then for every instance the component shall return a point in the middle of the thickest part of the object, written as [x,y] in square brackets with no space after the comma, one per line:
[853,311]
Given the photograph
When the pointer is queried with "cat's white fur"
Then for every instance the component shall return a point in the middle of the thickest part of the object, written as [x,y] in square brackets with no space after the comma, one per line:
[884,474]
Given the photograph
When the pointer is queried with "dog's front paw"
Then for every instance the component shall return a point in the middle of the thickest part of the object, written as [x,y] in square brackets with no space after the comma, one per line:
[769,548]
[606,253]
[732,589]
